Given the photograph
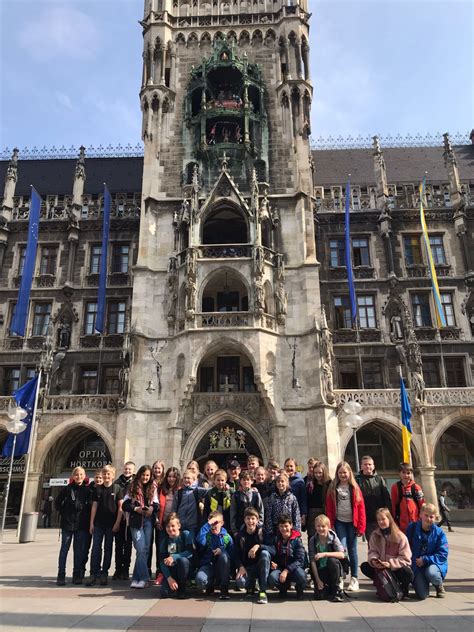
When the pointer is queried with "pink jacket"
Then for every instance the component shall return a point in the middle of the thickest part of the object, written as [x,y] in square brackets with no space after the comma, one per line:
[397,554]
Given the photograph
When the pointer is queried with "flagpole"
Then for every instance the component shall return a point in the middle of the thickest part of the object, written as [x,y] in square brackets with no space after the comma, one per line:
[31,444]
[7,490]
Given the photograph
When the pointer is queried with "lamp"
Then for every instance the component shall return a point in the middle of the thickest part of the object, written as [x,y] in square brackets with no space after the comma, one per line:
[353,420]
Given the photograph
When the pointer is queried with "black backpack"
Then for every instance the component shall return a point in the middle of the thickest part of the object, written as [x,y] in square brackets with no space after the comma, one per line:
[401,495]
[387,586]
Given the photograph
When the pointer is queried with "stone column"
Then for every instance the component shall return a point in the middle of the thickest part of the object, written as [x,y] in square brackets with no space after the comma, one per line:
[31,493]
[427,482]
[73,238]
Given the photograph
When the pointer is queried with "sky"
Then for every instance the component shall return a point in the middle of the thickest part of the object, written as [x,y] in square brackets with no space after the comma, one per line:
[70,70]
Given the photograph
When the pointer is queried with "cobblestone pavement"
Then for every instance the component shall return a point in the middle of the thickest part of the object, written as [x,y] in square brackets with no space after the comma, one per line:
[30,600]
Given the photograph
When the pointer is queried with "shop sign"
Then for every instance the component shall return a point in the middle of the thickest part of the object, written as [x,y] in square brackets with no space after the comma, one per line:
[58,482]
[90,459]
[18,465]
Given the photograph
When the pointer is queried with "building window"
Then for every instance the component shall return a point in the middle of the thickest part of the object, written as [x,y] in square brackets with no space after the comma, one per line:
[49,255]
[455,373]
[206,381]
[21,260]
[30,373]
[431,372]
[12,316]
[41,315]
[342,312]
[437,249]
[96,253]
[360,252]
[337,253]
[88,381]
[348,374]
[90,318]
[420,304]
[116,317]
[12,380]
[366,312]
[412,245]
[120,258]
[111,380]
[448,309]
[373,377]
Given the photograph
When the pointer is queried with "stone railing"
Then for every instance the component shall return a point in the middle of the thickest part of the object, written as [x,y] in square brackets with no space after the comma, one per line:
[221,251]
[449,396]
[225,319]
[390,397]
[81,403]
[206,403]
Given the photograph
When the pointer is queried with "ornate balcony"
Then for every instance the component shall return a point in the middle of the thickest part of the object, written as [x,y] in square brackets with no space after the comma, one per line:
[206,403]
[390,397]
[225,251]
[74,403]
[225,319]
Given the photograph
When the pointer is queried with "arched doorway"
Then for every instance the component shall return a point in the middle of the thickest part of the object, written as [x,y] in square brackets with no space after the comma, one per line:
[226,441]
[454,460]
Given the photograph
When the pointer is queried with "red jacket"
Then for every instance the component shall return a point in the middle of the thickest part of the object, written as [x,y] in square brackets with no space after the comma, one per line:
[358,509]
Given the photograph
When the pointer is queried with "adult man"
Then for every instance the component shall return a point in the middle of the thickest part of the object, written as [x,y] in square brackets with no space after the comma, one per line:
[374,490]
[123,537]
[444,510]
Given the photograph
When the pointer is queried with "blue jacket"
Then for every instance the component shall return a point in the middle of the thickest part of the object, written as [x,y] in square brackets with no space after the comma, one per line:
[208,541]
[298,488]
[437,552]
[290,554]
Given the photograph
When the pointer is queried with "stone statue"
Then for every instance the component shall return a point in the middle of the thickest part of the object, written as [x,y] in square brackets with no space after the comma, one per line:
[258,260]
[173,300]
[213,439]
[64,335]
[259,296]
[402,356]
[418,384]
[172,265]
[328,385]
[279,266]
[281,300]
[241,438]
[227,432]
[396,328]
[190,298]
[191,257]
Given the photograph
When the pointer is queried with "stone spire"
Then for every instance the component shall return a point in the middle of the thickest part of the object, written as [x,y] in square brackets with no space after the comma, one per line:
[79,178]
[11,178]
[380,174]
[451,165]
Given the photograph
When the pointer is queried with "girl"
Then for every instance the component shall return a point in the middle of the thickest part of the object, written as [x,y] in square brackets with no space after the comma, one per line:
[283,501]
[346,510]
[157,472]
[210,470]
[194,467]
[73,505]
[316,490]
[141,503]
[325,555]
[167,492]
[389,548]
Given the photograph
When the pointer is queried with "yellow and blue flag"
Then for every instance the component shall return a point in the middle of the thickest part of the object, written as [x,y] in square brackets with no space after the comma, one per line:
[406,425]
[440,317]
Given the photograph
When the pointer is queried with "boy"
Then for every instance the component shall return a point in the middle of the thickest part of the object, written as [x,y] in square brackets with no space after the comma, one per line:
[252,464]
[309,474]
[187,503]
[325,555]
[375,493]
[263,485]
[218,498]
[216,552]
[105,519]
[289,558]
[123,537]
[175,557]
[429,547]
[407,498]
[243,498]
[233,473]
[252,556]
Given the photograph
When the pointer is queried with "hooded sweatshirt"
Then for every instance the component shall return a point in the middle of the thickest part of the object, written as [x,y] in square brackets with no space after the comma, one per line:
[298,487]
[289,554]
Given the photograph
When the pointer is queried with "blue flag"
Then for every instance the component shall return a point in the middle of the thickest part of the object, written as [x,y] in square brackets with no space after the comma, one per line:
[350,276]
[20,315]
[26,398]
[406,425]
[100,320]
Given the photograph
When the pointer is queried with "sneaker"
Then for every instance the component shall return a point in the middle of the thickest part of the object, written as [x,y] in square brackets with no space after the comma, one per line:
[61,580]
[117,575]
[224,596]
[141,584]
[341,583]
[159,579]
[283,593]
[262,597]
[338,597]
[134,584]
[440,591]
[92,581]
[104,580]
[353,585]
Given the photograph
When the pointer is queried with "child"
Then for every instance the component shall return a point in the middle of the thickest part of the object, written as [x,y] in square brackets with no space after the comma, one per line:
[252,463]
[233,473]
[281,502]
[105,519]
[407,498]
[158,474]
[346,511]
[316,491]
[166,495]
[429,547]
[289,558]
[176,553]
[252,556]
[73,505]
[194,467]
[98,480]
[298,488]
[187,503]
[141,503]
[241,499]
[389,548]
[210,469]
[218,498]
[325,555]
[123,537]
[216,552]
[263,485]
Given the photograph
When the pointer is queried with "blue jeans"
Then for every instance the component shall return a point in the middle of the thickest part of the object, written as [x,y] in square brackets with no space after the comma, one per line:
[179,571]
[217,571]
[426,576]
[141,541]
[260,571]
[298,576]
[79,538]
[101,534]
[348,536]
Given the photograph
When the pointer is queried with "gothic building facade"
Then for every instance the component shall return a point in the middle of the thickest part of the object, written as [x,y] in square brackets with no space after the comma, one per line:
[228,325]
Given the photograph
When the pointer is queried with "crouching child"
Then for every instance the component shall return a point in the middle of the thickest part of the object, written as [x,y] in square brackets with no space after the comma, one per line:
[252,556]
[216,550]
[289,559]
[325,556]
[175,558]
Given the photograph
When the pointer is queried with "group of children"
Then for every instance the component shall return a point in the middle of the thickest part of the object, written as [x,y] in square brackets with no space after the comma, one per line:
[246,526]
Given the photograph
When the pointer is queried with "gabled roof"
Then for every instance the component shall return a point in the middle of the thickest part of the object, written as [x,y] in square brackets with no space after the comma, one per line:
[224,188]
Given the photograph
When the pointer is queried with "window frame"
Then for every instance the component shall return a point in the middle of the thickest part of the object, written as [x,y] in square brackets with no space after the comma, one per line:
[119,256]
[361,250]
[364,309]
[437,249]
[48,262]
[342,312]
[449,315]
[408,250]
[84,380]
[40,320]
[88,324]
[95,258]
[339,252]
[115,324]
[427,305]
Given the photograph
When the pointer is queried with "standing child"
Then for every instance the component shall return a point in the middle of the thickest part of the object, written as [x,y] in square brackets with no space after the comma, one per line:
[281,502]
[298,488]
[98,480]
[104,522]
[123,537]
[218,498]
[407,498]
[176,553]
[325,555]
[166,495]
[289,559]
[263,485]
[346,511]
[252,556]
[252,463]
[73,505]
[241,499]
[158,474]
[210,469]
[187,503]
[216,553]
[316,491]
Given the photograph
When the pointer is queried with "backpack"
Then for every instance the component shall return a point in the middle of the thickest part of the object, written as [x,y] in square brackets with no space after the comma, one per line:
[412,490]
[387,586]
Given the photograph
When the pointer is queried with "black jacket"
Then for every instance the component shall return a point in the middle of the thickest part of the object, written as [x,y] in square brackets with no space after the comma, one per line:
[74,506]
[375,493]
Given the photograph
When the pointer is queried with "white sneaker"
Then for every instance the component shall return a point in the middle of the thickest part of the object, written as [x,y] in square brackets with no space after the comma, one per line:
[353,585]
[134,584]
[141,584]
[341,583]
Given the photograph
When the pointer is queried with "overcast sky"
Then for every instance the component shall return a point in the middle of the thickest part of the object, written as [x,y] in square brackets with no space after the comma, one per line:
[70,69]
